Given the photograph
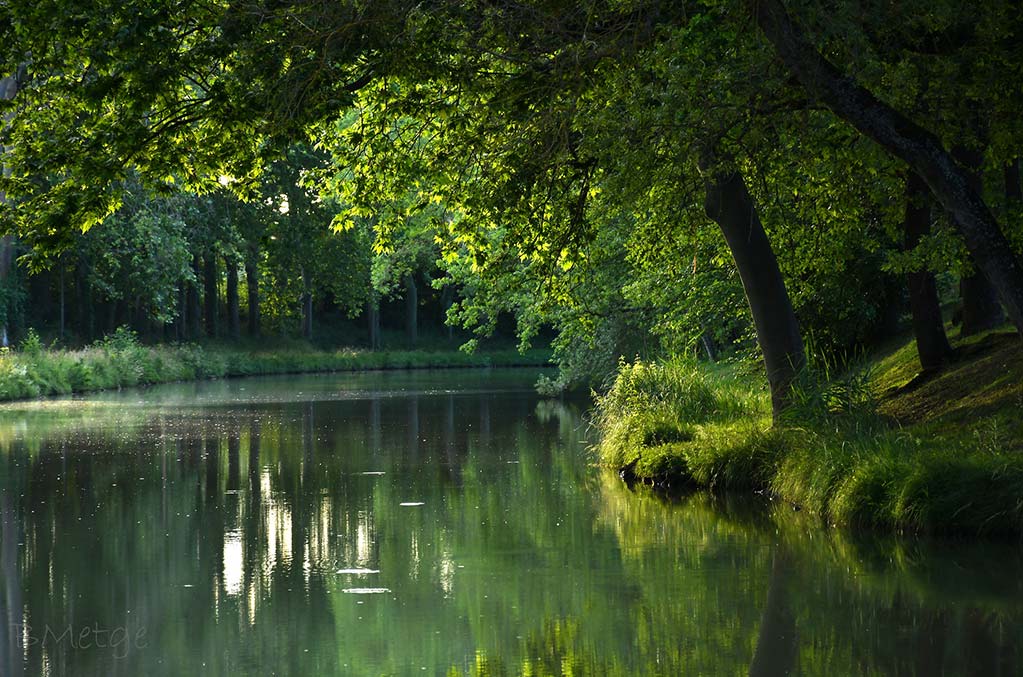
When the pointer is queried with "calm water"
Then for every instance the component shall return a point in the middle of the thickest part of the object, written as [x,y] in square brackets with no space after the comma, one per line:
[436,523]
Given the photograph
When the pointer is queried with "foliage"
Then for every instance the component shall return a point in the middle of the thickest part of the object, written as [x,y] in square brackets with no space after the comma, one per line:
[119,360]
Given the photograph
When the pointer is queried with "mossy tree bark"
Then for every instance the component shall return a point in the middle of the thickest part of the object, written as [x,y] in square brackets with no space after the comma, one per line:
[906,140]
[728,203]
[928,327]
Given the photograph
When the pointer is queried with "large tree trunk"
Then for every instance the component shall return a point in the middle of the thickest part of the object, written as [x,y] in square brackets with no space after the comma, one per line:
[252,282]
[729,204]
[906,140]
[928,326]
[411,310]
[210,293]
[980,308]
[233,312]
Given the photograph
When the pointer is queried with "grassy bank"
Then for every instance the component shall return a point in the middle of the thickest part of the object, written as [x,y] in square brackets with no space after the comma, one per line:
[120,361]
[883,447]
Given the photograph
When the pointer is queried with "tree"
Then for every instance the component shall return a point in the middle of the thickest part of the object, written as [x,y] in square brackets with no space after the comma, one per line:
[902,137]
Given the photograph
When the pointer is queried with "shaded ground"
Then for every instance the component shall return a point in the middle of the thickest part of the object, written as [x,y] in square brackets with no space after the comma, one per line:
[981,390]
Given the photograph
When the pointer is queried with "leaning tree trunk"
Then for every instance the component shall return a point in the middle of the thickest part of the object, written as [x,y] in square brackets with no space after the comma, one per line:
[906,140]
[233,313]
[729,204]
[980,308]
[928,326]
[252,282]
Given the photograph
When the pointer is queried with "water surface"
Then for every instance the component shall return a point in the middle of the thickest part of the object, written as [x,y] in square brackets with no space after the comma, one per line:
[434,523]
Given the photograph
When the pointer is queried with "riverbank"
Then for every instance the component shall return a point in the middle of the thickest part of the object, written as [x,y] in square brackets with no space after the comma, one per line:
[120,361]
[883,447]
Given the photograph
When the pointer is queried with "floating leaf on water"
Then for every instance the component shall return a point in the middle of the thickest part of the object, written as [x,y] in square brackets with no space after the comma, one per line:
[358,572]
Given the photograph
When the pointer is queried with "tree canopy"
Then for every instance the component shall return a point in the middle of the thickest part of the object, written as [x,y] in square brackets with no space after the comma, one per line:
[570,163]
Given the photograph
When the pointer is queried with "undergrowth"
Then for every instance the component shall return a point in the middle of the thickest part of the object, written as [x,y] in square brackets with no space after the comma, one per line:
[834,453]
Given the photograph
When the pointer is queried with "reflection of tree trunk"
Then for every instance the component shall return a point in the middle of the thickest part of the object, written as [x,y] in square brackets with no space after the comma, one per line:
[449,434]
[11,649]
[987,652]
[212,470]
[234,443]
[484,424]
[904,139]
[729,204]
[210,293]
[413,426]
[411,310]
[194,447]
[930,644]
[981,310]
[255,488]
[776,642]
[375,428]
[308,444]
[233,312]
[928,327]
[252,283]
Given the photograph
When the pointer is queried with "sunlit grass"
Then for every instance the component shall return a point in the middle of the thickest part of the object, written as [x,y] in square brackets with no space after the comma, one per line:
[842,453]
